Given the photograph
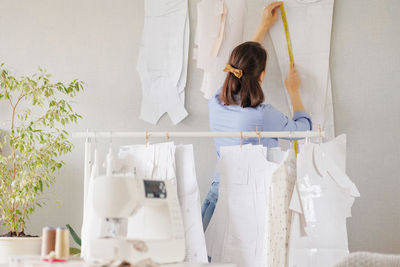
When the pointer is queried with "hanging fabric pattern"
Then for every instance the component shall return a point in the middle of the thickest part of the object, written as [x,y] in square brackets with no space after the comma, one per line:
[92,223]
[321,203]
[220,26]
[236,232]
[310,24]
[163,58]
[189,199]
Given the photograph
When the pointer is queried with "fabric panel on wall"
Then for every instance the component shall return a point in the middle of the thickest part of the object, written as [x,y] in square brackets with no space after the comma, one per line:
[163,58]
[310,25]
[210,24]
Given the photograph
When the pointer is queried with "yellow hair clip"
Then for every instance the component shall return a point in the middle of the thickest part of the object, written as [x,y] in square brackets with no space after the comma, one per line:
[237,72]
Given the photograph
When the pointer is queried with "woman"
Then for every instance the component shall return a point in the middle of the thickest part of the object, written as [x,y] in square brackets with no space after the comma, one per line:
[238,105]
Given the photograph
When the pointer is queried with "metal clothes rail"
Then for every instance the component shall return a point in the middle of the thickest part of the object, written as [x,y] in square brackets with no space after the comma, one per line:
[147,135]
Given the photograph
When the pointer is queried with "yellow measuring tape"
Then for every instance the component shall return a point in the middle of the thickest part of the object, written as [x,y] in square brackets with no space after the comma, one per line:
[290,52]
[286,27]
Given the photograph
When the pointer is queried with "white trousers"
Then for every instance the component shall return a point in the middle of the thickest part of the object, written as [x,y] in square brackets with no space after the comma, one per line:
[321,204]
[310,24]
[163,59]
[209,30]
[236,233]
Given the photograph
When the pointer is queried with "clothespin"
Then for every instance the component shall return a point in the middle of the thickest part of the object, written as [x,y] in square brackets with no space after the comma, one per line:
[147,138]
[296,147]
[167,136]
[319,134]
[259,135]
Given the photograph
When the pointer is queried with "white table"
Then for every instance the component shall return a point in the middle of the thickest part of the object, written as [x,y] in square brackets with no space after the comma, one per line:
[34,261]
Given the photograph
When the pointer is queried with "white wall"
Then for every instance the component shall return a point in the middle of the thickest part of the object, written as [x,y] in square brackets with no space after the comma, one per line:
[97,41]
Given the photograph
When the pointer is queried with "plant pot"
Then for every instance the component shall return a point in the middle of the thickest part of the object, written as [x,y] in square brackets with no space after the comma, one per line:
[12,246]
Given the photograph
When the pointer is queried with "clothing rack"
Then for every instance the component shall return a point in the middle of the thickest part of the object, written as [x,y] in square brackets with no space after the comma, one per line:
[91,136]
[166,134]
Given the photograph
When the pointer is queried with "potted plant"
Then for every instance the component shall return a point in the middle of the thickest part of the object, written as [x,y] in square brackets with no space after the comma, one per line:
[30,150]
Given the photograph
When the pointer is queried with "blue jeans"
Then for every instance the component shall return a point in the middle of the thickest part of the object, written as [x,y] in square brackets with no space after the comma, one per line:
[207,209]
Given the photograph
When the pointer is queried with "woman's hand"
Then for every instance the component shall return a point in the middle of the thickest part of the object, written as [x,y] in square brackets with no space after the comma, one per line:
[269,16]
[292,83]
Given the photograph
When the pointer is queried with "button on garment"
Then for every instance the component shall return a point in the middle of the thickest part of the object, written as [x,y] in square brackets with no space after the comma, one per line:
[310,24]
[220,25]
[322,202]
[163,58]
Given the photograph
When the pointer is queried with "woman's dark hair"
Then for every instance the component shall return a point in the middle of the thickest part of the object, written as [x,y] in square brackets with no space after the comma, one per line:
[251,58]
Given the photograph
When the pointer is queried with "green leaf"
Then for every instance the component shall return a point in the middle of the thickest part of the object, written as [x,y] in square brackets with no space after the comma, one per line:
[40,185]
[74,235]
[75,251]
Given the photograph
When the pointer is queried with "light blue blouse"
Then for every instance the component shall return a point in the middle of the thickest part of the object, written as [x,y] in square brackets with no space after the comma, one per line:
[264,117]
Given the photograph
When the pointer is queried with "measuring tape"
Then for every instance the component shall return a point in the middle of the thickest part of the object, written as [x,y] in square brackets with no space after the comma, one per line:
[286,28]
[290,52]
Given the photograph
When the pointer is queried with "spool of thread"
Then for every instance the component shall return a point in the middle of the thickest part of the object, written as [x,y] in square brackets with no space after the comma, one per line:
[62,243]
[48,240]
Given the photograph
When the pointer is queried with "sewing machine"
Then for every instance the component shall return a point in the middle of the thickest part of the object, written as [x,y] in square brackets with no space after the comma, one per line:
[142,220]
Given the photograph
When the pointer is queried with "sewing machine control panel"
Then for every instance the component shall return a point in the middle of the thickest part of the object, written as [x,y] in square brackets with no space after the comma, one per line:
[155,193]
[155,189]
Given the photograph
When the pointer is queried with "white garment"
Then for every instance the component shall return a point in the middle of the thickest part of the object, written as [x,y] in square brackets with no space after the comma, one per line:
[208,28]
[165,161]
[152,162]
[163,59]
[92,224]
[310,24]
[189,199]
[111,163]
[236,233]
[280,216]
[322,202]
